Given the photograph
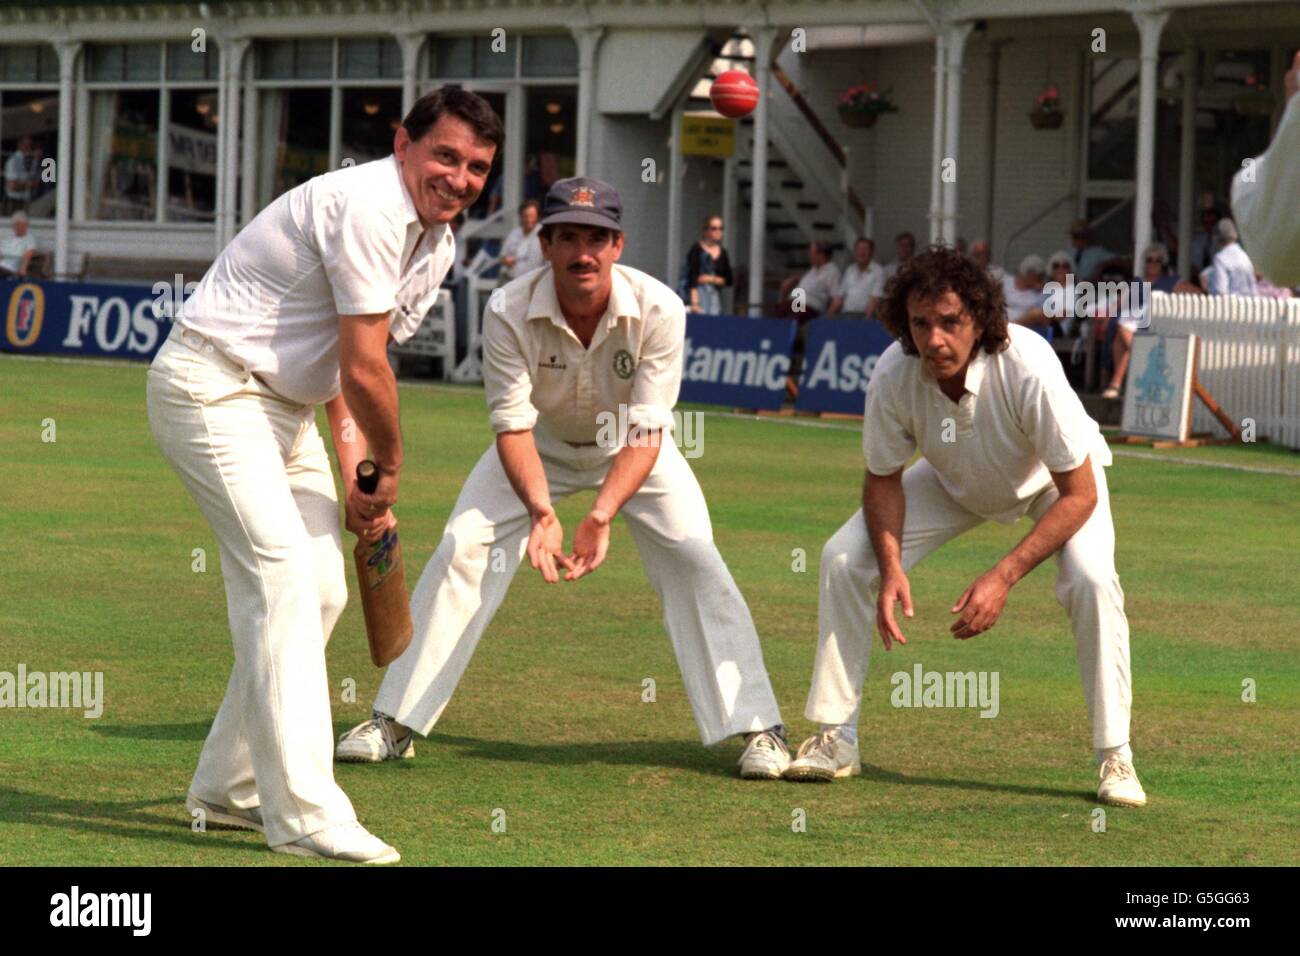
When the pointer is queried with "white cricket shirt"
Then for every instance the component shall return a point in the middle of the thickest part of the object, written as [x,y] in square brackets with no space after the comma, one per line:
[343,243]
[1017,421]
[13,248]
[537,374]
[820,284]
[1232,272]
[1265,206]
[859,286]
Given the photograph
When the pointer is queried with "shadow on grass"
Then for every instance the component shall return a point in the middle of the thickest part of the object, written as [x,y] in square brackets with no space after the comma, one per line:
[679,754]
[129,819]
[881,775]
[706,761]
[192,731]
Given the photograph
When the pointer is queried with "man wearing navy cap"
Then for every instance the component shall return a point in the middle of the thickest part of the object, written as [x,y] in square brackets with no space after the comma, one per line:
[572,353]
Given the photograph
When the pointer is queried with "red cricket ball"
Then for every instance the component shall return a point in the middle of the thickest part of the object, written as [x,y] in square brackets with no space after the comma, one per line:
[734,93]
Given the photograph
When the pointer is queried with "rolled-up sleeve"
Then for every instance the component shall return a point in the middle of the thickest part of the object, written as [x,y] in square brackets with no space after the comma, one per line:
[887,441]
[1265,206]
[361,251]
[507,384]
[658,377]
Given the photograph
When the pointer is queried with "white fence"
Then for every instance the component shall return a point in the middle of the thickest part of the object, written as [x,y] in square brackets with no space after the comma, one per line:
[1249,358]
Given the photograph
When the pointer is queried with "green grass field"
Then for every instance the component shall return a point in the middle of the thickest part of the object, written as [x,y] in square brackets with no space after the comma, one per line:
[549,725]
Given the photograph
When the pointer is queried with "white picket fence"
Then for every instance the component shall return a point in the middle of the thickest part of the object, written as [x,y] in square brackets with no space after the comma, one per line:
[1249,358]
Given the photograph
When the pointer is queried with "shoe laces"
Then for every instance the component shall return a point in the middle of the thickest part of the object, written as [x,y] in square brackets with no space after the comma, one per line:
[768,740]
[382,725]
[822,742]
[386,728]
[1117,767]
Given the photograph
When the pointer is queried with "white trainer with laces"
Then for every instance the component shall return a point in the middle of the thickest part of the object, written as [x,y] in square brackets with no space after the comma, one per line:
[823,757]
[766,755]
[349,842]
[373,741]
[1119,784]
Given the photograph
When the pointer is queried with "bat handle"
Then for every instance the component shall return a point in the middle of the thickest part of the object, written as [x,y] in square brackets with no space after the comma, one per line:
[367,476]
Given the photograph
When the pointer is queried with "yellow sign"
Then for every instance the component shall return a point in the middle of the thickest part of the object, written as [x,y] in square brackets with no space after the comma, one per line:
[708,136]
[26,313]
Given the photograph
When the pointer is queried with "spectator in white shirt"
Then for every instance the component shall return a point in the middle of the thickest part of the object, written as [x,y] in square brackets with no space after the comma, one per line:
[1265,205]
[982,256]
[522,252]
[904,249]
[1232,272]
[817,285]
[863,282]
[16,250]
[1024,293]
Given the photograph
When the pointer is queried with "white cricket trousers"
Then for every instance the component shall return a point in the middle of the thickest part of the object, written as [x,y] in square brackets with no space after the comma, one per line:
[1086,586]
[466,580]
[258,469]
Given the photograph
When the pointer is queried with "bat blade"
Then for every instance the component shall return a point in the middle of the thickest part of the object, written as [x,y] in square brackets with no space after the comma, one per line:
[382,581]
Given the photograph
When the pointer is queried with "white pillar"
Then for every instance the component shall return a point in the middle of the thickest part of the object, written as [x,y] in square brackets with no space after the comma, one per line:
[936,147]
[336,127]
[764,41]
[1149,23]
[956,44]
[81,151]
[675,169]
[410,42]
[248,157]
[729,221]
[232,62]
[588,39]
[1187,161]
[67,52]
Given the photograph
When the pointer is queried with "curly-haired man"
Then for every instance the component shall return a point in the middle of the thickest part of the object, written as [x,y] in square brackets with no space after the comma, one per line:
[1001,435]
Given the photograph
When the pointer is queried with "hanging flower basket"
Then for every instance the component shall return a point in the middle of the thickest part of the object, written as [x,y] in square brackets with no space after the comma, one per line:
[856,118]
[1047,112]
[1255,100]
[861,106]
[1046,119]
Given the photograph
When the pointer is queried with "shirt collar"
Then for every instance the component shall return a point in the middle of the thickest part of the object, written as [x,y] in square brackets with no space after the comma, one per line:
[409,213]
[975,371]
[543,304]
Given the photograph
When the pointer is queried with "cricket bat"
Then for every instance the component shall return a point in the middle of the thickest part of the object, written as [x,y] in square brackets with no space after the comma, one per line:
[383,584]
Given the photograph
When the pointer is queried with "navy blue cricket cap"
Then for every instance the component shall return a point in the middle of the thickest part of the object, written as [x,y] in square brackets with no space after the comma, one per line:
[584,202]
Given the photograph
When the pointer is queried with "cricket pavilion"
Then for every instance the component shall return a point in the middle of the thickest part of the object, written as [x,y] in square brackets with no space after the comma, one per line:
[163,127]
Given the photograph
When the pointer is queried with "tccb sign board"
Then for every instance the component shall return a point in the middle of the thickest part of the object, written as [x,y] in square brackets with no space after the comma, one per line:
[75,318]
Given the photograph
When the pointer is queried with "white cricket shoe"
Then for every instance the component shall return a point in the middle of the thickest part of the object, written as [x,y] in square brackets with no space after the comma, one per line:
[350,842]
[766,755]
[823,757]
[373,741]
[1119,784]
[217,817]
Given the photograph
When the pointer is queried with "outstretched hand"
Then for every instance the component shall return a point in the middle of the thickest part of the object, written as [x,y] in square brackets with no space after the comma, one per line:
[546,546]
[590,544]
[980,605]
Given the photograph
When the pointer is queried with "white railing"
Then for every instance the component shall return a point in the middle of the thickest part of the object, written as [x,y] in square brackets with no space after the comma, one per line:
[1249,358]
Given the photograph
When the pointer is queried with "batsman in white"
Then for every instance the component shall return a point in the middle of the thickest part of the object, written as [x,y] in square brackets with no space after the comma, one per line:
[565,348]
[297,312]
[1001,436]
